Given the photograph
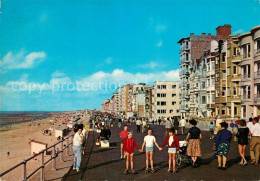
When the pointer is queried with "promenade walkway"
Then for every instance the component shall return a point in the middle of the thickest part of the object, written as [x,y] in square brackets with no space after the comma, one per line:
[105,164]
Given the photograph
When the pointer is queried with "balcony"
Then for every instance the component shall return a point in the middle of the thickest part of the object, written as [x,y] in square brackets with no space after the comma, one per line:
[236,58]
[184,48]
[211,72]
[257,52]
[257,98]
[245,77]
[245,98]
[257,75]
[245,56]
[184,72]
[185,60]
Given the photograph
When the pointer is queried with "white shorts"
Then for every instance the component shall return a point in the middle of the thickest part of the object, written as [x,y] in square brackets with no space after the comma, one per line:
[172,150]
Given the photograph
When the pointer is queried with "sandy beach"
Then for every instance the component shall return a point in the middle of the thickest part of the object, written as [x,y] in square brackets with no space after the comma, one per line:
[15,139]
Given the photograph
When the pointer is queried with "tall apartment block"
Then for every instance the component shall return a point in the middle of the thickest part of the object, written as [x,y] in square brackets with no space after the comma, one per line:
[249,44]
[228,77]
[193,75]
[166,99]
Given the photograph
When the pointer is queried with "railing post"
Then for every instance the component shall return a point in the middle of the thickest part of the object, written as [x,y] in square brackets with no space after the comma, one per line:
[42,169]
[68,147]
[53,159]
[24,171]
[61,151]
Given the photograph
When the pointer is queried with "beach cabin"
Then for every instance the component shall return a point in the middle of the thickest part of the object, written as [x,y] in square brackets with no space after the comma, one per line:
[60,131]
[37,147]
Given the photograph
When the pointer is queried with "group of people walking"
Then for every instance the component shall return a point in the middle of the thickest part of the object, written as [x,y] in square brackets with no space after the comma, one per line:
[222,141]
[247,133]
[128,144]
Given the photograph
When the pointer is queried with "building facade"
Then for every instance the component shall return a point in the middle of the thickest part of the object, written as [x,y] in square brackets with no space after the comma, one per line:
[249,44]
[166,99]
[193,80]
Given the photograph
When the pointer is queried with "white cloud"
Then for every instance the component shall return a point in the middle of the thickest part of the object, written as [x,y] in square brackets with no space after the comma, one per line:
[119,76]
[159,44]
[239,31]
[20,61]
[150,65]
[98,83]
[57,74]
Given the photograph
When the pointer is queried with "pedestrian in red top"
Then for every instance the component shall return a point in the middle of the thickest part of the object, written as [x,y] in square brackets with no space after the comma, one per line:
[123,135]
[129,145]
[172,142]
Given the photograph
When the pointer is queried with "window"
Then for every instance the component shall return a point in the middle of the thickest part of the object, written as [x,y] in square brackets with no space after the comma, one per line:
[203,85]
[173,103]
[187,56]
[173,95]
[257,44]
[248,50]
[158,103]
[228,71]
[235,110]
[235,51]
[229,110]
[228,91]
[235,70]
[234,90]
[173,86]
[163,103]
[228,52]
[171,111]
[203,99]
[158,87]
[223,111]
[223,58]
[217,92]
[208,82]
[177,111]
[248,92]
[213,66]
[223,91]
[213,97]
[223,74]
[161,111]
[161,94]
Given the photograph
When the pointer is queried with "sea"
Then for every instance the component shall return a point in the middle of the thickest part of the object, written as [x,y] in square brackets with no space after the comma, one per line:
[8,118]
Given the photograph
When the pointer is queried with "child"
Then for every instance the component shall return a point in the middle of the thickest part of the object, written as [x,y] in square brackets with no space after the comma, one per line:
[211,130]
[149,141]
[173,147]
[232,125]
[129,145]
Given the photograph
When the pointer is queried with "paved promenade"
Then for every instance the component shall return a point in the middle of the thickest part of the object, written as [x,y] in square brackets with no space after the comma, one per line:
[105,164]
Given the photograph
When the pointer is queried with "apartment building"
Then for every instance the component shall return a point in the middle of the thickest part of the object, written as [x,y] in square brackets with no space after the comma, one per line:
[125,94]
[115,103]
[166,99]
[249,44]
[221,80]
[233,78]
[193,80]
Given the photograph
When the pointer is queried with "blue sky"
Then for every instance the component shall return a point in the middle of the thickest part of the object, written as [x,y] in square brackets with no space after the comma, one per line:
[47,43]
